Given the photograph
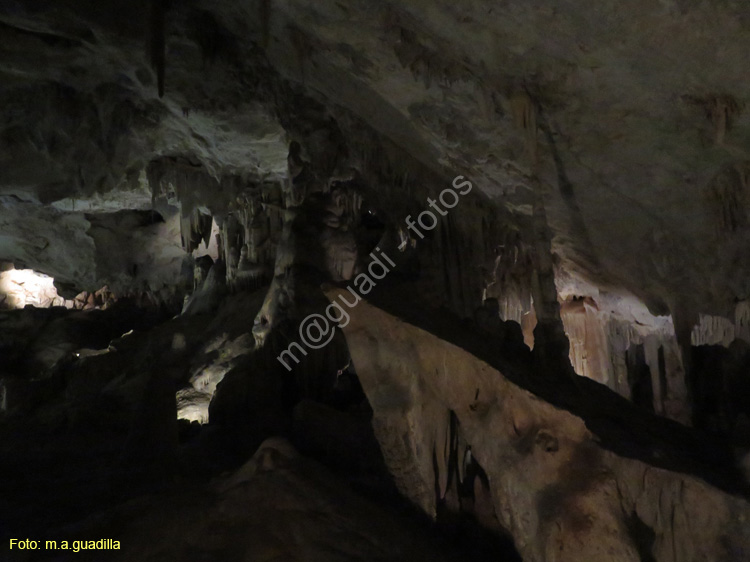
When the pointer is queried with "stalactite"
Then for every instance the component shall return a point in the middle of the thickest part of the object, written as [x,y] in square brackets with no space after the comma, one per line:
[600,342]
[742,320]
[157,45]
[525,117]
[252,219]
[426,63]
[722,110]
[282,285]
[265,22]
[511,275]
[728,196]
[194,228]
[713,330]
[185,232]
[551,345]
[301,43]
[651,347]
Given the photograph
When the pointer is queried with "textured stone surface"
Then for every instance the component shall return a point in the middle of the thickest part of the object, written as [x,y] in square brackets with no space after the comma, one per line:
[555,488]
[627,125]
[639,154]
[270,146]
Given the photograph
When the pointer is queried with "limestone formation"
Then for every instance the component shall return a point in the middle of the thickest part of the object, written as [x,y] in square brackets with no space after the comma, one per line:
[556,367]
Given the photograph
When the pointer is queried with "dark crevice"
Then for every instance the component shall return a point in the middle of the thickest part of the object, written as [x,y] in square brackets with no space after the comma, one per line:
[643,537]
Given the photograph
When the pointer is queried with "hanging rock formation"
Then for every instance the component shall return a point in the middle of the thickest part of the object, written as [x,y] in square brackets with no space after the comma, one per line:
[556,364]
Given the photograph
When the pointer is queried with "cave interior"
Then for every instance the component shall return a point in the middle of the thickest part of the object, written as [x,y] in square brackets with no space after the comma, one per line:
[374,281]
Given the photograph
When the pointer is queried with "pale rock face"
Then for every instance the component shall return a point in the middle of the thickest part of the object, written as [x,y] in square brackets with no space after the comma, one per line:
[24,286]
[192,405]
[554,488]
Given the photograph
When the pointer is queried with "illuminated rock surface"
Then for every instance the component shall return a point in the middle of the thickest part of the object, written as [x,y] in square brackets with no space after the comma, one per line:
[558,363]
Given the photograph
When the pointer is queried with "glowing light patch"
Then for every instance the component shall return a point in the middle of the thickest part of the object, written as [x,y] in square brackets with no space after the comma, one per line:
[21,287]
[26,287]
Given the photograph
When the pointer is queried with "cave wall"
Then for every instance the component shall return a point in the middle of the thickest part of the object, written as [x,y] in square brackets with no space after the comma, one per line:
[559,493]
[263,133]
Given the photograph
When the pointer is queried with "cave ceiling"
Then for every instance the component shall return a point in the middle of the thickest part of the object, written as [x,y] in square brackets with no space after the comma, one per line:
[640,108]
